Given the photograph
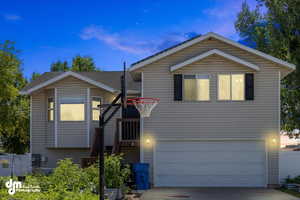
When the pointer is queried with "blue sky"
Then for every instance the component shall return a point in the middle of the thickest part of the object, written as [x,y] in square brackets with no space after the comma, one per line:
[109,31]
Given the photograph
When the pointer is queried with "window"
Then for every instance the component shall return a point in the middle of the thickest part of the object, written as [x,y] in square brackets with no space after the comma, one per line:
[95,109]
[196,87]
[72,109]
[224,87]
[238,87]
[231,87]
[50,109]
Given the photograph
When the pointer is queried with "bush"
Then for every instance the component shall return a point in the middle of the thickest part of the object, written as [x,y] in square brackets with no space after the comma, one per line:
[293,180]
[48,196]
[69,182]
[115,174]
[91,178]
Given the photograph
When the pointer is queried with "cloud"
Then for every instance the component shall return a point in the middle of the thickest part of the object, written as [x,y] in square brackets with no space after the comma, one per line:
[218,12]
[12,17]
[227,10]
[174,38]
[223,14]
[115,40]
[133,44]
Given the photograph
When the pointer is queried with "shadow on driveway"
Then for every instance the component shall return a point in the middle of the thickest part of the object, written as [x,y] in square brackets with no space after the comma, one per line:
[215,194]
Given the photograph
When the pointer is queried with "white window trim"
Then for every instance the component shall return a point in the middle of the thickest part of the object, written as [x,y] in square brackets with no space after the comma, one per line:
[48,109]
[244,73]
[209,77]
[91,107]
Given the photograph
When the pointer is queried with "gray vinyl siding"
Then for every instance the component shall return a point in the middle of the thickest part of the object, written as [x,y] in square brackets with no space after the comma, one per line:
[39,135]
[258,119]
[110,126]
[50,124]
[38,132]
[72,136]
[71,133]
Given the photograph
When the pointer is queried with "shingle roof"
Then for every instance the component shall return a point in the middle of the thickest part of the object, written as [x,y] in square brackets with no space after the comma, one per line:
[167,49]
[200,38]
[109,78]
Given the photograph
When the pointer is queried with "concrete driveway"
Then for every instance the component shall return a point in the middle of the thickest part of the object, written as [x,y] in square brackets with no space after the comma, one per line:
[215,194]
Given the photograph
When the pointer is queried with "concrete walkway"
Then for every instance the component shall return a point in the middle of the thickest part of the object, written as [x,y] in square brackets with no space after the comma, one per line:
[215,194]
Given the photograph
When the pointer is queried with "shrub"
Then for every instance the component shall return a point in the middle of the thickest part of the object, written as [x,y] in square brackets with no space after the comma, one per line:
[69,182]
[293,180]
[115,173]
[67,176]
[91,176]
[48,196]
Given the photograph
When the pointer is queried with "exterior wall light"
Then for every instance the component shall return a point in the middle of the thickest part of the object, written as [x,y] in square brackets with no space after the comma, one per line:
[274,140]
[148,141]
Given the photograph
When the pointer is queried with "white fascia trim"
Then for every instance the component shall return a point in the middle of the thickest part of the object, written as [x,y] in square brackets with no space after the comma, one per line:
[64,75]
[211,52]
[216,36]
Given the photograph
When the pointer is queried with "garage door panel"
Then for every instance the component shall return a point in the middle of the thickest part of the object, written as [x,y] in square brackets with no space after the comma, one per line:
[210,163]
[204,157]
[210,169]
[209,181]
[207,146]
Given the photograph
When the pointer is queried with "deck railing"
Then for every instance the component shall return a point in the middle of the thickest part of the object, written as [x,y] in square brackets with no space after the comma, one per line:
[127,131]
[130,129]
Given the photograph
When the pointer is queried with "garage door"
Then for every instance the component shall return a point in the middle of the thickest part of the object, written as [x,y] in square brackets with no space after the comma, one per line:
[210,163]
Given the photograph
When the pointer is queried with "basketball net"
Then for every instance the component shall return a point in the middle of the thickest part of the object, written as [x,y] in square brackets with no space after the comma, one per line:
[144,105]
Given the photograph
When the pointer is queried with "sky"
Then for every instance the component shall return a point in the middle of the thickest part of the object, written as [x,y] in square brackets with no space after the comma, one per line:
[111,31]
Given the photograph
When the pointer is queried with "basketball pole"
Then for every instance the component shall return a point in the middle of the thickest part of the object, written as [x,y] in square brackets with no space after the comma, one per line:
[103,121]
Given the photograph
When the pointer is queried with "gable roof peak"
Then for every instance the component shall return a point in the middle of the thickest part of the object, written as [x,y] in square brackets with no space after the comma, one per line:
[57,76]
[216,52]
[200,38]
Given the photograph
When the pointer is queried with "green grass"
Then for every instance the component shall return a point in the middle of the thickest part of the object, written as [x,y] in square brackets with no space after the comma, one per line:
[291,192]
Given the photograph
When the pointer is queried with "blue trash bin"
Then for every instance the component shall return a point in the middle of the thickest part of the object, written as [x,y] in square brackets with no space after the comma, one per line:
[141,174]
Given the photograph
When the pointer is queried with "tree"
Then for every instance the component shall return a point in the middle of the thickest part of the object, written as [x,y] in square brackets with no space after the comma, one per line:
[14,108]
[34,76]
[277,32]
[252,28]
[83,64]
[59,66]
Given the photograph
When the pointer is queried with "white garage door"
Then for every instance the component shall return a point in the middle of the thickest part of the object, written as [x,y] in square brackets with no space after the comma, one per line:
[210,163]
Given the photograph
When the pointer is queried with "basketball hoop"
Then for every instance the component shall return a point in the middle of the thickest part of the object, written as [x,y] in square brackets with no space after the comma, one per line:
[143,105]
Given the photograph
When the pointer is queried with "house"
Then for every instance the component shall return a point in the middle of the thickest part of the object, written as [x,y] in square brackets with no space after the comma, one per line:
[217,122]
[287,142]
[64,114]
